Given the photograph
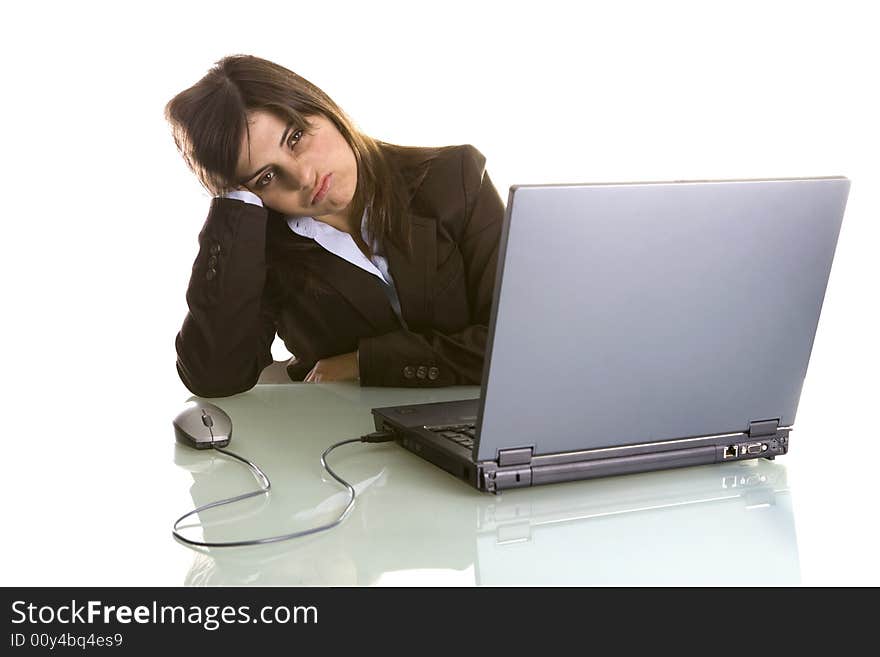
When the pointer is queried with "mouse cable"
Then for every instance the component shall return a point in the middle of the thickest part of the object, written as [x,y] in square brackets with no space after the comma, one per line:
[375,437]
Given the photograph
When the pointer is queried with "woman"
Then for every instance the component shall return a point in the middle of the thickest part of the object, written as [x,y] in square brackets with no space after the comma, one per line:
[372,261]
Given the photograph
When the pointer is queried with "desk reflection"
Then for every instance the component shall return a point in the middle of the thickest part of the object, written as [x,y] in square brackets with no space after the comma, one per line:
[725,524]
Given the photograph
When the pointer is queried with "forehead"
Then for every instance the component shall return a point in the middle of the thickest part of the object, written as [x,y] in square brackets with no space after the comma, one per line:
[265,130]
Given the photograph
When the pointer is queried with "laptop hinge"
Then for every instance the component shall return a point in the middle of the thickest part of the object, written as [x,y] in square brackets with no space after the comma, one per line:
[518,456]
[763,427]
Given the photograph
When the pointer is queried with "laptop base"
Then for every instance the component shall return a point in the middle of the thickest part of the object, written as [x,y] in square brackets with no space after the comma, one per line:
[519,468]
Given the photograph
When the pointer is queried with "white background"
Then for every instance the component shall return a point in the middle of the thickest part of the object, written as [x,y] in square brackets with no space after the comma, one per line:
[100,214]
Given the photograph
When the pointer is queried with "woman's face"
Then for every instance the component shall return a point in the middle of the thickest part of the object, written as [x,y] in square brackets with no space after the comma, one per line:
[286,166]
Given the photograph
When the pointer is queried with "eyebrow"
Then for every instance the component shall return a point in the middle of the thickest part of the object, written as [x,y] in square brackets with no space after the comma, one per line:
[259,171]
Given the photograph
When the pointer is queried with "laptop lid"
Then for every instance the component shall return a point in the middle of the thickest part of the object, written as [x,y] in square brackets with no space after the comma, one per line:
[642,312]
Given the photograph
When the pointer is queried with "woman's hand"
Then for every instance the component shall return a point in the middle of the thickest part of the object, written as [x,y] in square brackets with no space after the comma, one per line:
[336,368]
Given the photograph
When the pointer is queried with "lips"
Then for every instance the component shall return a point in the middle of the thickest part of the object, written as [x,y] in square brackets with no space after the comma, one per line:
[323,187]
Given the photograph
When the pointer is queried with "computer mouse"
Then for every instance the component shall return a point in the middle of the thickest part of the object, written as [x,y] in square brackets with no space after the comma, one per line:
[203,425]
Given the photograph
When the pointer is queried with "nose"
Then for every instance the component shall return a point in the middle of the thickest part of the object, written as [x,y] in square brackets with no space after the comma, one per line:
[300,176]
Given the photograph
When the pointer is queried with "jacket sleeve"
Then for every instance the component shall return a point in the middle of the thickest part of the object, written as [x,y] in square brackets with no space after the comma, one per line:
[408,359]
[226,338]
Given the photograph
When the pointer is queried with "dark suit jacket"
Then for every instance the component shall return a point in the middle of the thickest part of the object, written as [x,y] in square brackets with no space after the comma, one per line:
[445,290]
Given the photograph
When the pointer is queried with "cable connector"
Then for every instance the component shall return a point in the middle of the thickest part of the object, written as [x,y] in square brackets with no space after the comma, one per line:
[379,437]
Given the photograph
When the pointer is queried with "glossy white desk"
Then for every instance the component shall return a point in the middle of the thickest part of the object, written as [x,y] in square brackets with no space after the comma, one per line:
[415,524]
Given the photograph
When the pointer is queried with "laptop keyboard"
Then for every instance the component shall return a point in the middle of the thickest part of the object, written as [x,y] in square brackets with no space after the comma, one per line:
[463,434]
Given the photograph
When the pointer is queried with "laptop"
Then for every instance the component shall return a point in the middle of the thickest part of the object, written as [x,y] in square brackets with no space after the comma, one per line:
[639,326]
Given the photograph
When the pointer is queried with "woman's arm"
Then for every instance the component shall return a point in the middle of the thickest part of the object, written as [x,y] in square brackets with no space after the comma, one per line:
[407,359]
[226,337]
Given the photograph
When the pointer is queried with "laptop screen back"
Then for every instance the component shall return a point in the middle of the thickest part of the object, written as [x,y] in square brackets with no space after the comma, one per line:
[633,313]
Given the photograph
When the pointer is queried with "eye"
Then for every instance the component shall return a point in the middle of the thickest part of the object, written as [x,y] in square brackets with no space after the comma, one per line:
[291,142]
[292,135]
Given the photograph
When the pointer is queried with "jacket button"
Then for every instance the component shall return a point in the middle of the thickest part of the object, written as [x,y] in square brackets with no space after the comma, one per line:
[212,262]
[215,249]
[409,371]
[433,373]
[422,372]
[211,273]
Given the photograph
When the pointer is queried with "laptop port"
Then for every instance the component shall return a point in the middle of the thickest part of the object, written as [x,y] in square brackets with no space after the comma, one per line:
[756,448]
[730,452]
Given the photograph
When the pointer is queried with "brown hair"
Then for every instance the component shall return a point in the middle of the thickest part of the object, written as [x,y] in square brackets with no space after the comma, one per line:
[209,119]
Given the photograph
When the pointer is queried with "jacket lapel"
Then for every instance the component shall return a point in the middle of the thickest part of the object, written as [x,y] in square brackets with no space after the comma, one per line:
[414,275]
[413,279]
[360,288]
